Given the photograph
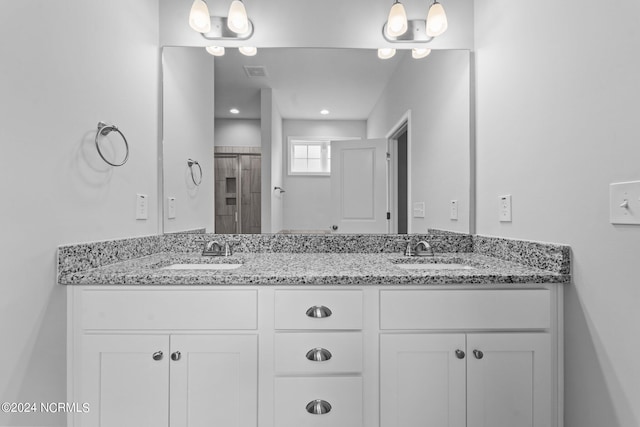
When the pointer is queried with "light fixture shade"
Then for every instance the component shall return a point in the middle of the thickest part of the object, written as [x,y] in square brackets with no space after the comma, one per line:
[386,52]
[397,22]
[199,18]
[419,52]
[436,20]
[215,50]
[248,50]
[237,20]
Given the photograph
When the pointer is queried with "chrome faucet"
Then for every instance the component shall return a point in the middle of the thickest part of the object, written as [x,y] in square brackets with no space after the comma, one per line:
[422,247]
[214,248]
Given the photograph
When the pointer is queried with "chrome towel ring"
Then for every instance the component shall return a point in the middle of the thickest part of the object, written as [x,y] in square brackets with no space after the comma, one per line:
[104,130]
[191,163]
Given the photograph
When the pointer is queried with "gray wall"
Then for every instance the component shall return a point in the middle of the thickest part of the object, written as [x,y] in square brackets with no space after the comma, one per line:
[557,122]
[237,132]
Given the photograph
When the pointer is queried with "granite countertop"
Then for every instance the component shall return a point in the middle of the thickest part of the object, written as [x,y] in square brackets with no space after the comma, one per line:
[311,269]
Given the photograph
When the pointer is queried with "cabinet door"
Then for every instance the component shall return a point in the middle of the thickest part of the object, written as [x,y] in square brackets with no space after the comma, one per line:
[214,381]
[124,384]
[422,380]
[509,383]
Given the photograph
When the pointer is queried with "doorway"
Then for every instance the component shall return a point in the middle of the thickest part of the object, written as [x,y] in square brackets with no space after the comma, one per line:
[398,178]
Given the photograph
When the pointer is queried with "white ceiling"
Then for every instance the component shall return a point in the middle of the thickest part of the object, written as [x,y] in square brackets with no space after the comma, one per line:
[347,82]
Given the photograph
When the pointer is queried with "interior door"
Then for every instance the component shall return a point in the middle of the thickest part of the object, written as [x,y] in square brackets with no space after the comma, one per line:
[359,186]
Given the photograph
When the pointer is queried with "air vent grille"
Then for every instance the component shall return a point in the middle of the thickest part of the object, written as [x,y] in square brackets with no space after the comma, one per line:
[255,71]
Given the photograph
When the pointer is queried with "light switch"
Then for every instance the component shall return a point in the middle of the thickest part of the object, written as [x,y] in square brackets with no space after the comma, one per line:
[142,206]
[453,213]
[171,207]
[624,202]
[418,210]
[505,208]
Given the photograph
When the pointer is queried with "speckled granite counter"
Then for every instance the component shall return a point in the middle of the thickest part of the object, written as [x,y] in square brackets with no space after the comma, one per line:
[311,269]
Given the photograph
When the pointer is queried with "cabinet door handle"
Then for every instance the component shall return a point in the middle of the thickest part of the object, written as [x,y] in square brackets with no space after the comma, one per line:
[478,354]
[175,356]
[319,311]
[157,355]
[319,354]
[318,407]
[460,354]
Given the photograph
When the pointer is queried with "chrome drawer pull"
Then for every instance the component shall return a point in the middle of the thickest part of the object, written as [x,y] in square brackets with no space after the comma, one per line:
[319,354]
[460,354]
[478,354]
[175,356]
[318,407]
[319,311]
[157,356]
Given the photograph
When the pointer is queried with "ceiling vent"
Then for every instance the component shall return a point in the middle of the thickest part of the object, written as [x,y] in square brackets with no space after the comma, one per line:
[255,71]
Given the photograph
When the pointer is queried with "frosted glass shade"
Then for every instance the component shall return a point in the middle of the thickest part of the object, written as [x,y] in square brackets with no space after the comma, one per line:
[436,20]
[248,50]
[199,18]
[386,53]
[215,50]
[418,53]
[397,21]
[237,20]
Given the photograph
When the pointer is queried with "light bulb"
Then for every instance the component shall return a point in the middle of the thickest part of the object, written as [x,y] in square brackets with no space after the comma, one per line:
[324,112]
[237,20]
[234,111]
[436,20]
[419,52]
[386,52]
[248,50]
[397,21]
[199,18]
[215,50]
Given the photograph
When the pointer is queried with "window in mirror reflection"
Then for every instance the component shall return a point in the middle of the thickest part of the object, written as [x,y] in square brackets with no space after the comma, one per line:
[309,157]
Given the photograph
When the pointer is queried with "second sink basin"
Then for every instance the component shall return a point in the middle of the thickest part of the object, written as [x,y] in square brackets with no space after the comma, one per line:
[202,266]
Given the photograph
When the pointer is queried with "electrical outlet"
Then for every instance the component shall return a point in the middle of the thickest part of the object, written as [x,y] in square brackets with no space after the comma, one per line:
[505,208]
[453,213]
[171,207]
[418,210]
[624,202]
[142,206]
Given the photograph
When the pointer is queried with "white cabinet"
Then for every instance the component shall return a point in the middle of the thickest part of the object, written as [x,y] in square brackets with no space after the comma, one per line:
[472,380]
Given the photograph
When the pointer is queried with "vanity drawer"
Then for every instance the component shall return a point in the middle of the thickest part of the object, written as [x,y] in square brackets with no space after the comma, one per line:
[342,308]
[465,309]
[344,350]
[344,394]
[169,309]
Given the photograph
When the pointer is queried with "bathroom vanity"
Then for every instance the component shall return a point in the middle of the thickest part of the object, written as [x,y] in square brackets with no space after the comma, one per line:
[316,339]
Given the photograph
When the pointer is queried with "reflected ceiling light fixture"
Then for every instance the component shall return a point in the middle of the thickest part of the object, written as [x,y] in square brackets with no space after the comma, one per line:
[199,18]
[386,52]
[436,20]
[237,20]
[215,50]
[324,111]
[234,111]
[419,52]
[248,50]
[397,22]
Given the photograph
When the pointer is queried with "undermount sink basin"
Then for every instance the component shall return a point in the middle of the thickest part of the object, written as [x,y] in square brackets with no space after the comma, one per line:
[202,267]
[434,266]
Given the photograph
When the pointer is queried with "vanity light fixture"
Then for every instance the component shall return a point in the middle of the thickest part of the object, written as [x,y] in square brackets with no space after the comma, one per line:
[248,50]
[418,52]
[397,22]
[237,20]
[386,52]
[436,20]
[215,50]
[199,18]
[234,111]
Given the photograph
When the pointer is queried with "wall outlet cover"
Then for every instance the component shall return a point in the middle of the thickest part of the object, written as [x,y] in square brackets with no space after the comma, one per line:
[142,206]
[505,208]
[418,209]
[453,210]
[171,207]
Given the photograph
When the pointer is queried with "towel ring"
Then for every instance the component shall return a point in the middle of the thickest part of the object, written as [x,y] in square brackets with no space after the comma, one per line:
[104,130]
[190,163]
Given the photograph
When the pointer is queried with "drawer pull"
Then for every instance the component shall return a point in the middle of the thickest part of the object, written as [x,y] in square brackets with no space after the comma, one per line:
[157,356]
[319,354]
[478,354]
[319,311]
[460,354]
[318,407]
[175,356]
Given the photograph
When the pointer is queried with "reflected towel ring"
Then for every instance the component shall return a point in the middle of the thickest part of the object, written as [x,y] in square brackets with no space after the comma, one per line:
[190,163]
[280,189]
[104,130]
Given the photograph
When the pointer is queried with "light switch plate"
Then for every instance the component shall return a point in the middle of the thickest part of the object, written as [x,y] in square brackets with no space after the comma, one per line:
[505,208]
[453,213]
[624,202]
[142,206]
[418,210]
[171,207]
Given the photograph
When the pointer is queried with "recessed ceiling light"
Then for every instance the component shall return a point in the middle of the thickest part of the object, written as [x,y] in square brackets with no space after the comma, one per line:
[215,50]
[418,53]
[324,112]
[248,50]
[234,111]
[386,53]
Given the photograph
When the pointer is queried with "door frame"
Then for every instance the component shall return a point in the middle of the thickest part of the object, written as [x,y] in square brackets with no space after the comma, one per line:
[392,167]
